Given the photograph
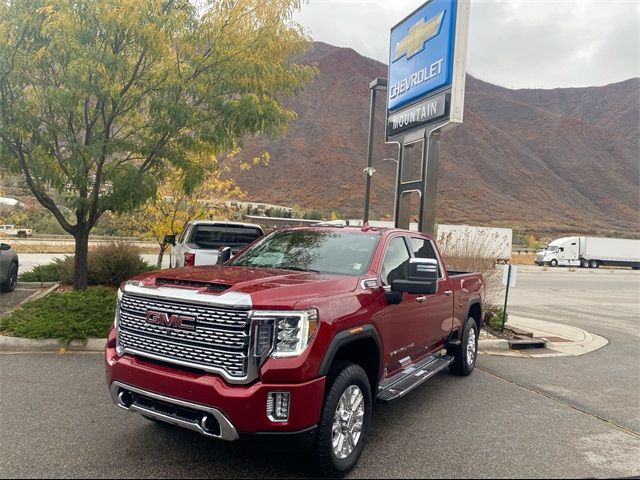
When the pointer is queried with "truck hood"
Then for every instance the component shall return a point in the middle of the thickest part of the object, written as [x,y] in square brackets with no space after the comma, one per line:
[268,287]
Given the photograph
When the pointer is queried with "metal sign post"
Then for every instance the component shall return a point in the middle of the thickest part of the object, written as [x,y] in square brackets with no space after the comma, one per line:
[425,96]
[509,275]
[377,84]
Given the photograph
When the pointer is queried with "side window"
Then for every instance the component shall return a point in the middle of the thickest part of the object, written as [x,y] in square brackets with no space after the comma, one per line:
[396,261]
[423,248]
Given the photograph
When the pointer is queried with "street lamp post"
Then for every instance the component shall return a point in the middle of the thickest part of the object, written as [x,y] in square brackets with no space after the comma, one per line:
[377,84]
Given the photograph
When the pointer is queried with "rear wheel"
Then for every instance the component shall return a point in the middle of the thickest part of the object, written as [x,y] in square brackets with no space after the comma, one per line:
[344,422]
[10,284]
[464,355]
[593,264]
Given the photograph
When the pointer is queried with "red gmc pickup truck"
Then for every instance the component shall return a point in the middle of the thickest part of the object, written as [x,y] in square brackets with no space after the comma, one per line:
[295,337]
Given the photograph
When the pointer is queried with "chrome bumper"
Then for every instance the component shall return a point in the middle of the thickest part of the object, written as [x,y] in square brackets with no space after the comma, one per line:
[204,420]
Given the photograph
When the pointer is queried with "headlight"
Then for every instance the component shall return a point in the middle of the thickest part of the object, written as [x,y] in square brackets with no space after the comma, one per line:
[293,330]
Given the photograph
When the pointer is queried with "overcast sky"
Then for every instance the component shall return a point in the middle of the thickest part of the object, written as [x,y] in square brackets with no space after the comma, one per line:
[513,43]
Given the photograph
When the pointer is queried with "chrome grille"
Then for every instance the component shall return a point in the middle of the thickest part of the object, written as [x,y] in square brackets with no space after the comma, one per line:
[220,341]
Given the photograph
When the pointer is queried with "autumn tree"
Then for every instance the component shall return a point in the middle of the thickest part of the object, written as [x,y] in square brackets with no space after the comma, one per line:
[173,205]
[102,99]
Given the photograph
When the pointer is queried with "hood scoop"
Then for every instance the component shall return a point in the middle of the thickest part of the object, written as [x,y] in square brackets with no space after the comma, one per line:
[212,287]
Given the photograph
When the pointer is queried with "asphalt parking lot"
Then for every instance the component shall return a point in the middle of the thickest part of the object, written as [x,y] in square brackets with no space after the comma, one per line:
[514,417]
[10,300]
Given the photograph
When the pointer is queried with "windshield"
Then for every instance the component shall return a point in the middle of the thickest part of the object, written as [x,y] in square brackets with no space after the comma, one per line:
[552,248]
[344,253]
[216,236]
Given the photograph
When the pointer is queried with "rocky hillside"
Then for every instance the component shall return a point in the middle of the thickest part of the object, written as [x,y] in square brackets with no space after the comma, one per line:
[548,161]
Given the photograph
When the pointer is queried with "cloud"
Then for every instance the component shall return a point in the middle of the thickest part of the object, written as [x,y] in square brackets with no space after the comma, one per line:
[515,43]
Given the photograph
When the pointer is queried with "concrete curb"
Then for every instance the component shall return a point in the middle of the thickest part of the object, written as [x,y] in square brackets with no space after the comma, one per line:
[17,344]
[36,285]
[498,344]
[561,340]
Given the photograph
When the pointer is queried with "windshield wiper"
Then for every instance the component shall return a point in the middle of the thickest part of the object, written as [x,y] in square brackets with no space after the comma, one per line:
[298,269]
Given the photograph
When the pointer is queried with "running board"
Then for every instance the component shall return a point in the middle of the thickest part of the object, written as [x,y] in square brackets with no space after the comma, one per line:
[409,378]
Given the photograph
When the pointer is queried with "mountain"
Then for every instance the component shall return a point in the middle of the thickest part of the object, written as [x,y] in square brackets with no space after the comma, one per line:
[546,161]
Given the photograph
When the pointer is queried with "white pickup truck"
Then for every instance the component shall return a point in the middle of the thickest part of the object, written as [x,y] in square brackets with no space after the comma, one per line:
[12,231]
[201,240]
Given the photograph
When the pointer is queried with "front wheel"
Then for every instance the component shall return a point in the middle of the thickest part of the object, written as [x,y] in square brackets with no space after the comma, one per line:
[345,419]
[553,263]
[464,355]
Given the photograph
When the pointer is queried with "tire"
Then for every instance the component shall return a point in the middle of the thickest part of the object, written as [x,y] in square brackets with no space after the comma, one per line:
[593,264]
[10,284]
[553,263]
[465,356]
[584,263]
[346,381]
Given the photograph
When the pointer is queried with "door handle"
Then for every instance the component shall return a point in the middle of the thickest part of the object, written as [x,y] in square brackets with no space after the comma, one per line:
[421,299]
[448,292]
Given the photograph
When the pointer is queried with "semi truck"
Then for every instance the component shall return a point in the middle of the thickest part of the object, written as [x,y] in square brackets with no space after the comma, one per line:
[591,252]
[294,338]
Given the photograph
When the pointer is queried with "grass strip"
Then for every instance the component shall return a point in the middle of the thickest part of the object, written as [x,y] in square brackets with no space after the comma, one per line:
[66,316]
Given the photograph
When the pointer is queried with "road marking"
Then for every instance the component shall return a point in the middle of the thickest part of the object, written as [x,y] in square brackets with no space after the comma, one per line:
[562,402]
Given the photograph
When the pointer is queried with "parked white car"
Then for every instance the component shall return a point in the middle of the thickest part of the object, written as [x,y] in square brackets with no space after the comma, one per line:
[200,241]
[12,231]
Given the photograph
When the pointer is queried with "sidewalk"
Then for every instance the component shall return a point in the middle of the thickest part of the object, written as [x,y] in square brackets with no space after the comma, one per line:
[562,340]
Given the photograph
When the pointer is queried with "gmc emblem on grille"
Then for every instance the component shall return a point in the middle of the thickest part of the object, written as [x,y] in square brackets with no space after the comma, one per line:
[182,322]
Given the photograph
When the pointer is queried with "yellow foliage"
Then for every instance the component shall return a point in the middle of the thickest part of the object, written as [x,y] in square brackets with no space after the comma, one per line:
[169,211]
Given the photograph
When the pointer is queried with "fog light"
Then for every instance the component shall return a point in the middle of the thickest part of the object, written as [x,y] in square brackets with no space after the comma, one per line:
[278,406]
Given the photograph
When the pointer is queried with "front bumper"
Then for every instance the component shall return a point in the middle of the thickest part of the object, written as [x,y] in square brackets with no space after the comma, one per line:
[239,410]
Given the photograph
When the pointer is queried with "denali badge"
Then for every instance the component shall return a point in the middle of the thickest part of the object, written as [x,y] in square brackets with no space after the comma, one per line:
[182,322]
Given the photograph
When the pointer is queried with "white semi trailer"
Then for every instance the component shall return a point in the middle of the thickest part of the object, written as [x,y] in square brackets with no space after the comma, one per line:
[591,252]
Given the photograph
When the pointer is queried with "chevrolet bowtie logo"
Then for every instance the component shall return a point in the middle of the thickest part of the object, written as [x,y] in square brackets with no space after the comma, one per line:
[418,35]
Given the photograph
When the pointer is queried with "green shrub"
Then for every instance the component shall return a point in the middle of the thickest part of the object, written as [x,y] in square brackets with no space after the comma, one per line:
[66,316]
[493,316]
[109,264]
[43,273]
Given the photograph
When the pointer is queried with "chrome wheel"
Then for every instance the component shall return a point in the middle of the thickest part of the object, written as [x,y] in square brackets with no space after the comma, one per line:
[471,347]
[347,422]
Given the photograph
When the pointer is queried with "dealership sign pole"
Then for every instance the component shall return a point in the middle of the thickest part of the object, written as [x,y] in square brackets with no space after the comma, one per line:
[425,96]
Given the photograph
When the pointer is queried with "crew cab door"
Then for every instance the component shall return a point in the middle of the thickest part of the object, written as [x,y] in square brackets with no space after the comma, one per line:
[404,327]
[439,306]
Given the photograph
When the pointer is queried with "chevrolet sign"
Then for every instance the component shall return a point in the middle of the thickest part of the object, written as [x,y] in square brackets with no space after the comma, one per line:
[421,53]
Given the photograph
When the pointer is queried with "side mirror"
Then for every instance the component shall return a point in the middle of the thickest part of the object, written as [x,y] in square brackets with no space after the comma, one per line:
[224,254]
[393,298]
[423,277]
[4,246]
[170,239]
